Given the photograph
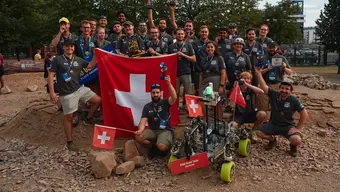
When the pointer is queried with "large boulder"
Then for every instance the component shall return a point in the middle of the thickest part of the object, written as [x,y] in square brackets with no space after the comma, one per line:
[103,163]
[125,167]
[130,150]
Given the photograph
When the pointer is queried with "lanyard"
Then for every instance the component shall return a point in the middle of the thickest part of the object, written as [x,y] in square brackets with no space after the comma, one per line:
[207,61]
[70,63]
[82,46]
[180,49]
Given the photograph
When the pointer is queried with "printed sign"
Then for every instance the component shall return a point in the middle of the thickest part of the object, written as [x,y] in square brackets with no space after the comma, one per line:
[276,62]
[183,165]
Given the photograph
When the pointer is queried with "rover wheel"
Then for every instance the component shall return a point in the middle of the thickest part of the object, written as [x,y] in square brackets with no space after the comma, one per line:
[244,147]
[171,159]
[227,171]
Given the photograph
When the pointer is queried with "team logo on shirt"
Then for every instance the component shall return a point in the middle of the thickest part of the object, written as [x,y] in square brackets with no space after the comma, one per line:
[241,59]
[213,62]
[184,49]
[247,97]
[286,105]
[76,64]
[160,108]
[65,63]
[165,39]
[254,49]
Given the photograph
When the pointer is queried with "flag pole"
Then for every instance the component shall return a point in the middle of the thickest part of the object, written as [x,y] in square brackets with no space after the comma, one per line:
[120,129]
[235,102]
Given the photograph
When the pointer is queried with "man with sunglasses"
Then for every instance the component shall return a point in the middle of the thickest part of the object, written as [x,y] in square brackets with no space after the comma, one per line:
[63,34]
[156,47]
[67,68]
[263,39]
[157,115]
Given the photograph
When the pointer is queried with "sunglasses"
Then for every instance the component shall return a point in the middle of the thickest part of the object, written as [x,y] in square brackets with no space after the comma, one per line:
[155,85]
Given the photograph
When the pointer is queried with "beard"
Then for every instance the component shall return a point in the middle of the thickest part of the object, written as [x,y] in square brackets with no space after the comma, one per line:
[156,99]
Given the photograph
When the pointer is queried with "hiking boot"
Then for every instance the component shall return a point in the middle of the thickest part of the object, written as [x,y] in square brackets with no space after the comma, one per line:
[88,121]
[72,147]
[293,150]
[271,144]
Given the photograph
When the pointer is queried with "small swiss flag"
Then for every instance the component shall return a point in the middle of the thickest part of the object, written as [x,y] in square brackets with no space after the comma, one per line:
[237,97]
[103,137]
[194,106]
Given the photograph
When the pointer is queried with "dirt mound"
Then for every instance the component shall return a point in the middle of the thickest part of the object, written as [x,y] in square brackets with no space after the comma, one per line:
[41,124]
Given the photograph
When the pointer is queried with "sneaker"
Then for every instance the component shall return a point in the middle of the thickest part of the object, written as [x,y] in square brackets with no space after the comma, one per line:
[271,144]
[72,147]
[88,121]
[293,150]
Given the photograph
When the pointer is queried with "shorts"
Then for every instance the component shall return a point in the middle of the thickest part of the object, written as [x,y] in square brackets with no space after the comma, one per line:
[158,136]
[70,102]
[270,129]
[2,70]
[186,81]
[246,118]
[262,100]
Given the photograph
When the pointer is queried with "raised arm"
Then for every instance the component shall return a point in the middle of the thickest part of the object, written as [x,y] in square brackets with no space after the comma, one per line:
[262,83]
[172,91]
[172,17]
[150,19]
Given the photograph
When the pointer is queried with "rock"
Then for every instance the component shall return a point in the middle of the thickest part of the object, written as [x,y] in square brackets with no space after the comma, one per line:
[141,150]
[139,161]
[336,104]
[103,163]
[32,88]
[4,145]
[328,110]
[5,90]
[125,168]
[130,150]
[322,132]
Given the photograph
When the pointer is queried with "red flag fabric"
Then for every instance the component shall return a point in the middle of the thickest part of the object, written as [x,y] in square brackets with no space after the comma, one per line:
[237,96]
[103,137]
[194,106]
[125,85]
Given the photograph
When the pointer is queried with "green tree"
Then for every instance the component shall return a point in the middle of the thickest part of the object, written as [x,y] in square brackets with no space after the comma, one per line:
[328,27]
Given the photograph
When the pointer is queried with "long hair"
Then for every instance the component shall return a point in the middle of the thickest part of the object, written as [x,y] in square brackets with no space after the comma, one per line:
[216,52]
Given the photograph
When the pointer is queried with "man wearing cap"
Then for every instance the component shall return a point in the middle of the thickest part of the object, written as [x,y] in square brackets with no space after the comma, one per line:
[157,114]
[130,45]
[116,33]
[64,33]
[283,106]
[200,53]
[236,62]
[85,43]
[103,23]
[223,43]
[156,47]
[188,25]
[66,68]
[186,55]
[121,17]
[273,73]
[164,36]
[233,31]
[263,39]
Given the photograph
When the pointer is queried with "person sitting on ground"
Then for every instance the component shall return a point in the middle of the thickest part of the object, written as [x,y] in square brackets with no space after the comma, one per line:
[157,114]
[249,114]
[283,107]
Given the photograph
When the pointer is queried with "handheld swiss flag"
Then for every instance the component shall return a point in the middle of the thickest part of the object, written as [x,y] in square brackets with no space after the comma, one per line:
[237,96]
[125,85]
[103,137]
[194,106]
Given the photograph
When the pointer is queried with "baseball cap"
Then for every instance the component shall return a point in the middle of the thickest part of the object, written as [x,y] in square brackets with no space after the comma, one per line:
[64,19]
[272,44]
[128,23]
[69,42]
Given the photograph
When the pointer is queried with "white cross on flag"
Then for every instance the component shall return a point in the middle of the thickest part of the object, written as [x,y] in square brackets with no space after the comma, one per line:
[103,137]
[126,85]
[194,106]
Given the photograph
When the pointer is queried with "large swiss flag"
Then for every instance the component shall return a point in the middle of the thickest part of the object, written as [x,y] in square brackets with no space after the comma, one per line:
[125,85]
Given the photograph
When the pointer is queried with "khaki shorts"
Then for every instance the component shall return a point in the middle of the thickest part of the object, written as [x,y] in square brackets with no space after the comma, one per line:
[186,81]
[262,100]
[70,102]
[158,136]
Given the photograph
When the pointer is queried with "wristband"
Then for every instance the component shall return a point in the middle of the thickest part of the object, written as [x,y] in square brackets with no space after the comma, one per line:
[221,85]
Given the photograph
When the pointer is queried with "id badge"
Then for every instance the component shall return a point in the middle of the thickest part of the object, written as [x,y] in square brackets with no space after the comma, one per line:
[228,46]
[272,76]
[264,45]
[255,49]
[162,124]
[66,77]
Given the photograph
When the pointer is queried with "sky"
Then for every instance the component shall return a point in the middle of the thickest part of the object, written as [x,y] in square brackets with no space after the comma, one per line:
[311,10]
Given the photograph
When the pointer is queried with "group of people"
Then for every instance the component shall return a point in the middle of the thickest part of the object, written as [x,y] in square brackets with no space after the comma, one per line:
[254,64]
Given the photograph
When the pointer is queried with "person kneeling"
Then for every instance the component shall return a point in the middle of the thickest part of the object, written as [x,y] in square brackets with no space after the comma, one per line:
[283,107]
[157,114]
[249,114]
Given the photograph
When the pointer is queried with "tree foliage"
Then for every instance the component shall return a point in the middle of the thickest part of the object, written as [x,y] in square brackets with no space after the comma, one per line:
[35,22]
[328,26]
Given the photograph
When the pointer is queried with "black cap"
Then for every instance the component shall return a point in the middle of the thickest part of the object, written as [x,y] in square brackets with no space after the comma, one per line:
[102,17]
[69,42]
[272,44]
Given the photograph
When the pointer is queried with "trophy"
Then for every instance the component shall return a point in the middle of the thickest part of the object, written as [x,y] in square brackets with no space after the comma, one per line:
[164,69]
[149,4]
